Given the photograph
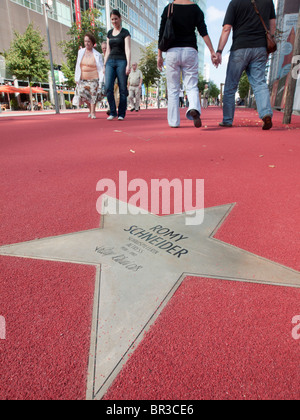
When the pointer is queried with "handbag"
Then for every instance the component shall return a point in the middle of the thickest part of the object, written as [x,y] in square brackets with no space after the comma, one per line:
[168,35]
[76,98]
[271,43]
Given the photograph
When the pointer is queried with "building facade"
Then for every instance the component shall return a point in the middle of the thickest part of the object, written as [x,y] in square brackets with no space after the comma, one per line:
[140,17]
[16,15]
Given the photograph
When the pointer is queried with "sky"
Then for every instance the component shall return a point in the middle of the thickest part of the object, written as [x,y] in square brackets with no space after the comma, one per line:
[214,18]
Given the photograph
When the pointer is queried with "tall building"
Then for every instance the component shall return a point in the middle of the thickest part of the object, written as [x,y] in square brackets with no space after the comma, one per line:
[138,16]
[201,44]
[16,15]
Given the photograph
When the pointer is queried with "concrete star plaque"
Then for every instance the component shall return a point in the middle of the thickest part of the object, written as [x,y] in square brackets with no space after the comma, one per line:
[141,261]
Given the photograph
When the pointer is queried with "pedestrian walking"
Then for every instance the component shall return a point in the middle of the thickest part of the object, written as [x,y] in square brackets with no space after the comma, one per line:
[181,98]
[89,73]
[182,57]
[135,81]
[248,52]
[117,65]
[206,96]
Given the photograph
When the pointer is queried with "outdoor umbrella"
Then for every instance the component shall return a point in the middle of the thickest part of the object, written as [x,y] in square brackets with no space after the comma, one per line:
[33,89]
[8,89]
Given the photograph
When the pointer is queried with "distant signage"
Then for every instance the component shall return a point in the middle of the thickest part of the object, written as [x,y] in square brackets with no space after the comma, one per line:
[288,40]
[77,12]
[291,6]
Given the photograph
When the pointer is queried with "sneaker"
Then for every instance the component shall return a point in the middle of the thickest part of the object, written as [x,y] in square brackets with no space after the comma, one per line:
[132,109]
[196,117]
[120,118]
[267,122]
[93,117]
[111,117]
[89,116]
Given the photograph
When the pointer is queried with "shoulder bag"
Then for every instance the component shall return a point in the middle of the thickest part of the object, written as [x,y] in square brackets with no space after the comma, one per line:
[168,35]
[271,43]
[76,98]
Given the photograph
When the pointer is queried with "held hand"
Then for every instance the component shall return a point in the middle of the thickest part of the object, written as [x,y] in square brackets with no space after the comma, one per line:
[215,60]
[219,55]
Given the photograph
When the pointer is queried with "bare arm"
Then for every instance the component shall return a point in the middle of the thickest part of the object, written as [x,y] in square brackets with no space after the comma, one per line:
[107,52]
[208,42]
[223,40]
[128,53]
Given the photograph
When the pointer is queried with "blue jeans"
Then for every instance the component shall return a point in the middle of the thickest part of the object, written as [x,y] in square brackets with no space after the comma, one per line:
[254,61]
[116,69]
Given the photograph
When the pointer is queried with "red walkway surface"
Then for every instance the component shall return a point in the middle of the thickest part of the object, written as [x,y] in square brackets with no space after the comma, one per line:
[215,339]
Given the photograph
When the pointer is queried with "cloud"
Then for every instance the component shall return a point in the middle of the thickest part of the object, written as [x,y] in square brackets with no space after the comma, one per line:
[213,14]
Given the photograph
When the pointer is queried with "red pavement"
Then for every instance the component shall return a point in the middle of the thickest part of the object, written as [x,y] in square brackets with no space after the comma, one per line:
[215,339]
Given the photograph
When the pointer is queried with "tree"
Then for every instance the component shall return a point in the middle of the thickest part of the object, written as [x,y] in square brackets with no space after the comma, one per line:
[244,86]
[89,23]
[201,83]
[26,58]
[148,67]
[214,91]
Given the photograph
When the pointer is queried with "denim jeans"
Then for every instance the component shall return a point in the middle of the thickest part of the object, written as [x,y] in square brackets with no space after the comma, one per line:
[254,61]
[116,69]
[183,60]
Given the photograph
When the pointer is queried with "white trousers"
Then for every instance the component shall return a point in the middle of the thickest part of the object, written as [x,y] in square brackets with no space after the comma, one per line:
[134,92]
[185,61]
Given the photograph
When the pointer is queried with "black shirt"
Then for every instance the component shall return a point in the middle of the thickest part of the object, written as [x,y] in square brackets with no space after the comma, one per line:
[248,31]
[117,44]
[186,18]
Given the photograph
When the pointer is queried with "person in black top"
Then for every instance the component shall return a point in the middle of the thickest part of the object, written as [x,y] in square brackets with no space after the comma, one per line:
[182,57]
[248,52]
[117,65]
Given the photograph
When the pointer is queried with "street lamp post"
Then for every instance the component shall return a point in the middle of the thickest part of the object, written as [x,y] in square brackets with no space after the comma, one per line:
[47,6]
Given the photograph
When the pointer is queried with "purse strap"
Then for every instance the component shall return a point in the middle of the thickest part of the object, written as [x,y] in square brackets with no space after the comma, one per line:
[260,16]
[170,12]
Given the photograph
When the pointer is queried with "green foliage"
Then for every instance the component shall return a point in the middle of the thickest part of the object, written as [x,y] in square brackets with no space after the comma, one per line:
[89,23]
[26,58]
[244,86]
[201,83]
[14,104]
[148,66]
[214,91]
